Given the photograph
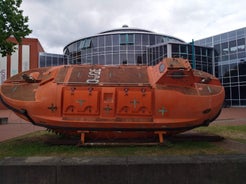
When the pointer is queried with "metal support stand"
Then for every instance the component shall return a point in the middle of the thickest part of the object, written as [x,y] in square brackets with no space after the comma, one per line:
[82,136]
[161,137]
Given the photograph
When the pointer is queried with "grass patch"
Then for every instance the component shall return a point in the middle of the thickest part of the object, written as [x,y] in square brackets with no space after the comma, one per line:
[34,145]
[237,133]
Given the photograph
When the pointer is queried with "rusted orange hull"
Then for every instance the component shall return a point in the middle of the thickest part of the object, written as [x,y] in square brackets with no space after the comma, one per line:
[168,97]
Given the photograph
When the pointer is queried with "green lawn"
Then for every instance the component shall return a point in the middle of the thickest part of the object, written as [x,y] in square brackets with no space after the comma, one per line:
[35,145]
[27,147]
[237,133]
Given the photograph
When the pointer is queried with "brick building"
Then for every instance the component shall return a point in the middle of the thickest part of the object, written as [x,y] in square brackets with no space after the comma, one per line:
[25,57]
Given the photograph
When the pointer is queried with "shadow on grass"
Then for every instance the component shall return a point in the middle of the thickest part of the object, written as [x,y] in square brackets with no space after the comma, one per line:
[36,144]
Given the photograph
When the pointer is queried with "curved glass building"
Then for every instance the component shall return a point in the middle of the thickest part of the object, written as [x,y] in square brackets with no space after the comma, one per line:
[118,46]
[222,55]
[131,46]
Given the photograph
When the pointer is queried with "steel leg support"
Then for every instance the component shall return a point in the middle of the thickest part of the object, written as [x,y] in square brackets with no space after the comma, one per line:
[82,136]
[161,136]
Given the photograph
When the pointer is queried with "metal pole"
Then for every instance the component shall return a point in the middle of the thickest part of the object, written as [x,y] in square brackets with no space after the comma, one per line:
[193,54]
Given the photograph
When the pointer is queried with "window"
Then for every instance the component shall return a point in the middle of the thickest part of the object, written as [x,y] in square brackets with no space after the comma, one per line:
[94,42]
[62,60]
[225,49]
[204,51]
[243,92]
[82,43]
[241,45]
[55,61]
[175,48]
[233,46]
[95,59]
[126,39]
[217,49]
[183,48]
[159,39]
[116,59]
[145,39]
[233,34]
[209,41]
[242,68]
[131,59]
[233,70]
[165,39]
[101,41]
[217,39]
[234,91]
[225,70]
[197,50]
[139,59]
[48,61]
[115,40]
[152,39]
[123,58]
[85,44]
[224,37]
[240,32]
[108,59]
[241,55]
[130,39]
[108,40]
[137,39]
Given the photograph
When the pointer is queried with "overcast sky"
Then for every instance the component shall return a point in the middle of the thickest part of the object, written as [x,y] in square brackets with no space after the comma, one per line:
[58,22]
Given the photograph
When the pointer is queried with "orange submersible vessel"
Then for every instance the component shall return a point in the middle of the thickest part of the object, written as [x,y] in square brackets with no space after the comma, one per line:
[164,99]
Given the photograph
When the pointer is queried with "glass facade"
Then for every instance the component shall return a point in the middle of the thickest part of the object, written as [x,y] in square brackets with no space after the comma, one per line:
[230,63]
[47,59]
[203,56]
[115,47]
[130,46]
[222,55]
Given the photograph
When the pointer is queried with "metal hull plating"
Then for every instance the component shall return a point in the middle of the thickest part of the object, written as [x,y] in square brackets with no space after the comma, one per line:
[169,97]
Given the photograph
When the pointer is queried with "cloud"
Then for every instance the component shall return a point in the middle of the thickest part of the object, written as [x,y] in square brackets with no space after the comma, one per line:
[58,22]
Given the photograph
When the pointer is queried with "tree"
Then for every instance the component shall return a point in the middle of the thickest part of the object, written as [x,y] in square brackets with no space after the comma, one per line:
[12,23]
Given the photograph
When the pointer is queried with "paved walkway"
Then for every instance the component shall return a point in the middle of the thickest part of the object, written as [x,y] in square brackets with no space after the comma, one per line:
[17,127]
[231,116]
